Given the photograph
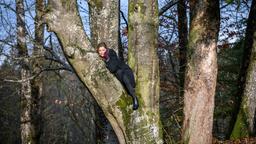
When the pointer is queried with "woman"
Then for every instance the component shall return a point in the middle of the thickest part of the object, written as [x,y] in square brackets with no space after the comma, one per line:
[121,70]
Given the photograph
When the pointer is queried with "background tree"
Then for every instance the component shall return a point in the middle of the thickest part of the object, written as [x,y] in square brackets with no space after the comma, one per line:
[201,72]
[27,126]
[245,121]
[42,56]
[183,39]
[38,63]
[234,15]
[9,105]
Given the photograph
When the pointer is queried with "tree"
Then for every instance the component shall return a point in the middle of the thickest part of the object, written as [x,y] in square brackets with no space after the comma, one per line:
[183,41]
[104,22]
[27,126]
[38,62]
[201,72]
[104,25]
[9,105]
[245,121]
[141,126]
[142,57]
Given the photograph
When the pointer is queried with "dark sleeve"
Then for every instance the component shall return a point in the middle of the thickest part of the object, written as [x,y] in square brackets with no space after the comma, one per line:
[112,63]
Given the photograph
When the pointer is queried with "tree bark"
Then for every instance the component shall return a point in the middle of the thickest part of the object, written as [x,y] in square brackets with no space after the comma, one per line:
[130,126]
[201,72]
[142,57]
[37,64]
[104,22]
[245,121]
[27,127]
[183,40]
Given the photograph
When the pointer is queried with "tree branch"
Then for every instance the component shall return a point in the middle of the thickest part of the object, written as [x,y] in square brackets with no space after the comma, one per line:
[167,6]
[125,20]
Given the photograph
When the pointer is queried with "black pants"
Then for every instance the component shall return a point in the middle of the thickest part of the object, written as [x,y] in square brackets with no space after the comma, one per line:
[126,77]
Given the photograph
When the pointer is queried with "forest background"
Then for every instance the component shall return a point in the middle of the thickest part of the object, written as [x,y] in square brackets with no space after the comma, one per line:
[193,61]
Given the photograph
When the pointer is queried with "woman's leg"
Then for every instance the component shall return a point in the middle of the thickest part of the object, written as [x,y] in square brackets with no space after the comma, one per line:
[128,80]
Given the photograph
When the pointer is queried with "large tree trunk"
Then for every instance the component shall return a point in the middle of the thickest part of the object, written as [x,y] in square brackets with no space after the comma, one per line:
[27,127]
[201,72]
[104,22]
[141,126]
[183,40]
[142,57]
[245,121]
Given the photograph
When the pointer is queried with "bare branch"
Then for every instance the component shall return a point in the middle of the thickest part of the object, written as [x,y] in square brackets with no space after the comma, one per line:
[125,20]
[34,76]
[167,6]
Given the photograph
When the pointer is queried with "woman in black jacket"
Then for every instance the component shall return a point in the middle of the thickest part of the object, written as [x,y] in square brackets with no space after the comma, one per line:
[121,70]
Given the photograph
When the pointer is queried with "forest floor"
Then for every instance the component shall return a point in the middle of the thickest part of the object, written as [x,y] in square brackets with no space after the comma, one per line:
[238,141]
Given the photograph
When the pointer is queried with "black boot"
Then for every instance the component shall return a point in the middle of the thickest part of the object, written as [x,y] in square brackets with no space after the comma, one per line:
[135,103]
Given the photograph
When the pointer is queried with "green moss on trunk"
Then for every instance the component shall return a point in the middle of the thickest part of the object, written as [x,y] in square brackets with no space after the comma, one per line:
[241,126]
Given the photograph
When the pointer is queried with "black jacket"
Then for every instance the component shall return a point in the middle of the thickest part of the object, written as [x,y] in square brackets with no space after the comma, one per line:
[113,63]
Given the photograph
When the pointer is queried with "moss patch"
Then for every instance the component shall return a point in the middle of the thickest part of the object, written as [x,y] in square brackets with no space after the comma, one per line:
[241,126]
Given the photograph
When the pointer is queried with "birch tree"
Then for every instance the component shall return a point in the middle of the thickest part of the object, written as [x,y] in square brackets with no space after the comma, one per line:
[27,126]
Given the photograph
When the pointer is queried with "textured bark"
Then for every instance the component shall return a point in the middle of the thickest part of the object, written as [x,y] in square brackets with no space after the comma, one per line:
[142,57]
[201,72]
[104,22]
[27,127]
[183,39]
[245,121]
[130,126]
[37,64]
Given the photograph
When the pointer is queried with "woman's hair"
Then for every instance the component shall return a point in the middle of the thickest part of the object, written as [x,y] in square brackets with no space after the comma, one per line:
[102,44]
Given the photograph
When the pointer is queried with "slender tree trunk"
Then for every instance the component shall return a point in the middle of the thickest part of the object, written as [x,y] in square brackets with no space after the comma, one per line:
[245,121]
[37,64]
[140,126]
[183,40]
[201,72]
[27,127]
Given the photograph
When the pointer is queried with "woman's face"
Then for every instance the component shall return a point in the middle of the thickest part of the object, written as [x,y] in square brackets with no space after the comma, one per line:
[102,51]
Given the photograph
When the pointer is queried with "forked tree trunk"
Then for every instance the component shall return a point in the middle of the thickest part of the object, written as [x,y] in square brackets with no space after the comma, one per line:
[201,72]
[245,122]
[27,127]
[140,126]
